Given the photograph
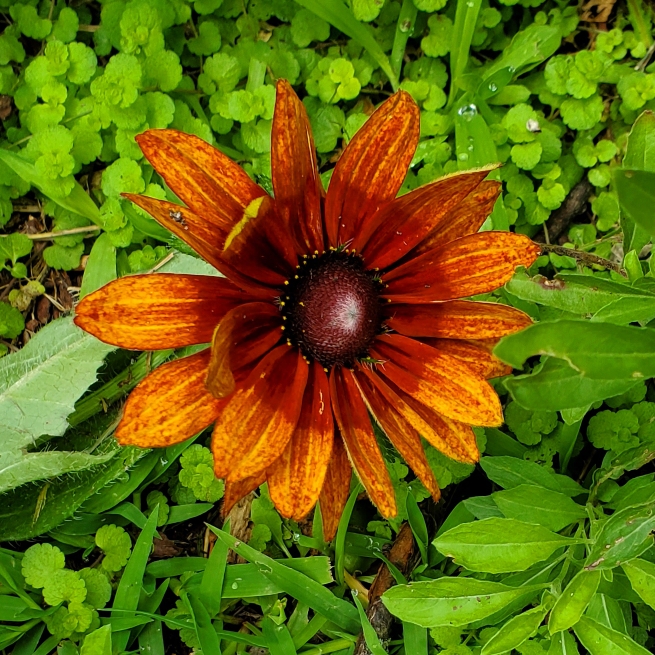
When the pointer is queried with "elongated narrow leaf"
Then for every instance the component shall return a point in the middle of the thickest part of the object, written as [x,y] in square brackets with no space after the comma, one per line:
[601,640]
[499,545]
[607,611]
[636,191]
[515,632]
[641,574]
[451,601]
[574,601]
[563,643]
[296,584]
[598,350]
[100,267]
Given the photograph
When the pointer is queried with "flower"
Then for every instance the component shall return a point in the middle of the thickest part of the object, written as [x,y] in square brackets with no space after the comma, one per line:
[333,306]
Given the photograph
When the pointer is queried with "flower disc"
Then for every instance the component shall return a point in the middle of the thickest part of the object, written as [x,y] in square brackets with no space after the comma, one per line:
[333,309]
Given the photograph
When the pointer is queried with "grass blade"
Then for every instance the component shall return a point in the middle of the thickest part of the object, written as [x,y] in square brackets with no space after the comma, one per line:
[465,20]
[213,578]
[278,637]
[370,636]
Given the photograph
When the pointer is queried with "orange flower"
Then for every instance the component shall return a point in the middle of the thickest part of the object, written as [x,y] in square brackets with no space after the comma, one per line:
[334,307]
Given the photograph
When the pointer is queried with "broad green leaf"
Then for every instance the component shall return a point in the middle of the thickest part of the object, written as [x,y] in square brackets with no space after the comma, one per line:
[97,642]
[510,472]
[451,601]
[641,574]
[13,247]
[337,14]
[640,152]
[574,600]
[100,266]
[636,192]
[515,632]
[638,491]
[534,504]
[624,536]
[601,640]
[498,545]
[38,389]
[415,638]
[607,610]
[77,201]
[563,643]
[598,350]
[555,386]
[483,507]
[297,585]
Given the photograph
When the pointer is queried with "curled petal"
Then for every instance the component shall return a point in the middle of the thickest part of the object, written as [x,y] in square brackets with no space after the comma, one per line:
[296,183]
[456,319]
[478,263]
[235,491]
[359,438]
[467,218]
[400,431]
[372,168]
[244,334]
[407,220]
[336,487]
[438,380]
[207,181]
[155,312]
[260,416]
[170,405]
[259,247]
[295,478]
[475,355]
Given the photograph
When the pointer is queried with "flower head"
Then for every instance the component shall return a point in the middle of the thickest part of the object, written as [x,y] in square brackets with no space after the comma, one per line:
[334,307]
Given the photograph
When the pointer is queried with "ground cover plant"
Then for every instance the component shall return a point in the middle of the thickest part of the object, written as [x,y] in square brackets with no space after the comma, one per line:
[545,546]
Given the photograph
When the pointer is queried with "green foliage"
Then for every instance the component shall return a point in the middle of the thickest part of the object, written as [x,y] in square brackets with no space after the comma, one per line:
[197,474]
[116,546]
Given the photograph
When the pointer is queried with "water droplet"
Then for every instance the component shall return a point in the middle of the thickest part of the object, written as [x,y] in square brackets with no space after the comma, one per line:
[235,585]
[355,592]
[163,461]
[493,87]
[468,112]
[463,156]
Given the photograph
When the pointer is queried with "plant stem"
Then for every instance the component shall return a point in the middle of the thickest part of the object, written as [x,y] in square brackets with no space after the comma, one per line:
[43,236]
[583,257]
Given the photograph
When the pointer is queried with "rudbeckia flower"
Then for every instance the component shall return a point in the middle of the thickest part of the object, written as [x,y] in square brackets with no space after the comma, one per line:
[335,308]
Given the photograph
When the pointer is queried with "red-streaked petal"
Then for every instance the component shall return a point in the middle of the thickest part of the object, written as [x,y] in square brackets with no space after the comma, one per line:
[456,319]
[235,491]
[437,380]
[259,247]
[399,430]
[170,405]
[336,487]
[260,416]
[359,438]
[372,168]
[154,312]
[478,263]
[245,334]
[475,356]
[295,478]
[466,218]
[296,183]
[207,181]
[407,220]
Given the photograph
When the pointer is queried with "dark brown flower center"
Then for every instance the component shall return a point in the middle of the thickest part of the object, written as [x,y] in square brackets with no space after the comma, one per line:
[332,308]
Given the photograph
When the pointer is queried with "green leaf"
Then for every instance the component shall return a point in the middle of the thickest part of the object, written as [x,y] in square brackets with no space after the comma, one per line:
[12,322]
[100,266]
[510,472]
[466,17]
[574,600]
[13,247]
[534,504]
[641,574]
[636,192]
[640,152]
[601,640]
[97,642]
[598,350]
[370,636]
[30,406]
[497,545]
[563,643]
[515,632]
[624,536]
[452,601]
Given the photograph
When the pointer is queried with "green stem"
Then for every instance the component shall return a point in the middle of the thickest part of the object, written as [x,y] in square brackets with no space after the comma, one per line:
[640,21]
[329,647]
[404,27]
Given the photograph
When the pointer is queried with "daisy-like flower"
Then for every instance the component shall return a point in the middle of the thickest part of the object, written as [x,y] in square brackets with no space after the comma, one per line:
[335,307]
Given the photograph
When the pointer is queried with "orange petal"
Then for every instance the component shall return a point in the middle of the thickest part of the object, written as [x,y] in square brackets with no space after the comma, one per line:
[407,220]
[437,380]
[466,218]
[207,181]
[235,491]
[456,319]
[372,168]
[244,334]
[261,415]
[474,355]
[336,487]
[259,247]
[399,430]
[170,405]
[295,478]
[478,263]
[359,438]
[154,312]
[296,183]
